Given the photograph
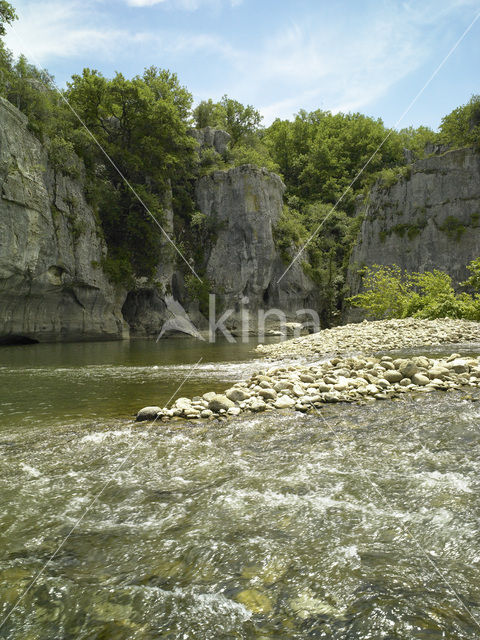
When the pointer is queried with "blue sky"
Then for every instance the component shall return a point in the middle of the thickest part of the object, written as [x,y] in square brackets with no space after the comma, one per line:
[278,55]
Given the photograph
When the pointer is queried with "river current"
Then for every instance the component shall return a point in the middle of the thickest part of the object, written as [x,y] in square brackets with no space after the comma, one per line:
[360,522]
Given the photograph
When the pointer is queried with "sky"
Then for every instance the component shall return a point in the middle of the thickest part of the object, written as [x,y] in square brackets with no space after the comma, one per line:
[372,56]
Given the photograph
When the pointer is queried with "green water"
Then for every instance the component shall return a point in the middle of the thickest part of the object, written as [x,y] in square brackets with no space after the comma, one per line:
[361,524]
[41,384]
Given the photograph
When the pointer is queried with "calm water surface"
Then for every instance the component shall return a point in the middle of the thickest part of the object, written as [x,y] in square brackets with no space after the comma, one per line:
[364,525]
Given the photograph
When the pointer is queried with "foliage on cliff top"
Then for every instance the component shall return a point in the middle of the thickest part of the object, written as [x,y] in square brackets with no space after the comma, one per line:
[461,127]
[390,292]
[240,121]
[142,125]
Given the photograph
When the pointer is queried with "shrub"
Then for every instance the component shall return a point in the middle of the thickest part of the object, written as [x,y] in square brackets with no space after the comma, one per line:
[385,293]
[391,293]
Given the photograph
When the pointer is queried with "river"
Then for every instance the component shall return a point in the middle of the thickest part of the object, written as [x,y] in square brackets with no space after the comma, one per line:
[359,523]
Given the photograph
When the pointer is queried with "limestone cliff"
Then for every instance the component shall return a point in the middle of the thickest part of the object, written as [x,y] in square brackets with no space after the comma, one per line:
[210,138]
[243,205]
[429,219]
[52,286]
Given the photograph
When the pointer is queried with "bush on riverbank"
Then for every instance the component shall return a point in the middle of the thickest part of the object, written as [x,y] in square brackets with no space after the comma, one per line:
[390,292]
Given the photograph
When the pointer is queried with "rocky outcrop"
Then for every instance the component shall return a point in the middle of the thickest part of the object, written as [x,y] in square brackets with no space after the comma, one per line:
[429,219]
[52,286]
[210,138]
[242,206]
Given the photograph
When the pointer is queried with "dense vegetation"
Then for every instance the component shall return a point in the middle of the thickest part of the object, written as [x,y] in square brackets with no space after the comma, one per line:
[142,125]
[391,293]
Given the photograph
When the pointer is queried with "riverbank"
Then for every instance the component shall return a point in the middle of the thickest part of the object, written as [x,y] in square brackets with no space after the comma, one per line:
[308,385]
[376,337]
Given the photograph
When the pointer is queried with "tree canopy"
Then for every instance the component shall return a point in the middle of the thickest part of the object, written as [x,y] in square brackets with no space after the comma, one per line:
[240,121]
[142,126]
[461,127]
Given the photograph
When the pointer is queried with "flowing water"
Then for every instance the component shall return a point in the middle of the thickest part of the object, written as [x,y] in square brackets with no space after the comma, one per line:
[360,522]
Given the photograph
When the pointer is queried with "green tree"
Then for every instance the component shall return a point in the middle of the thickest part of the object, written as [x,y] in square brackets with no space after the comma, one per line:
[461,127]
[240,121]
[7,15]
[390,293]
[415,139]
[142,125]
[320,154]
[205,114]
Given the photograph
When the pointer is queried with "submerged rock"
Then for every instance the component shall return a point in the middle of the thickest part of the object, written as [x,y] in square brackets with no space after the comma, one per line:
[254,600]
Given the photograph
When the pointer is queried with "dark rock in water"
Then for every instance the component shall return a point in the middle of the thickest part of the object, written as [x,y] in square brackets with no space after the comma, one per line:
[148,413]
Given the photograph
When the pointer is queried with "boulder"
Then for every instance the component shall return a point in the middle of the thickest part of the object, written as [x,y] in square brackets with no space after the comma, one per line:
[392,375]
[420,379]
[458,366]
[284,402]
[148,413]
[209,396]
[258,405]
[407,368]
[437,371]
[219,402]
[268,394]
[237,395]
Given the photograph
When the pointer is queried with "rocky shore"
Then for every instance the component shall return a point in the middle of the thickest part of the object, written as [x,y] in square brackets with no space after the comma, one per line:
[376,337]
[308,386]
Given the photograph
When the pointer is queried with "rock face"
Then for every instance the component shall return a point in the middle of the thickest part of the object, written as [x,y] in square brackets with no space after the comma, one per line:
[211,138]
[146,307]
[52,286]
[244,266]
[428,220]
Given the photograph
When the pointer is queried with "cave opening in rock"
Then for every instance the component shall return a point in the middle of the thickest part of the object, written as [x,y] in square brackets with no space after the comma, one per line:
[12,340]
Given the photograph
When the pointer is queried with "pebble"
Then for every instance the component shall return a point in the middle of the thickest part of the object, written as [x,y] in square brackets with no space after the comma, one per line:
[360,378]
[377,336]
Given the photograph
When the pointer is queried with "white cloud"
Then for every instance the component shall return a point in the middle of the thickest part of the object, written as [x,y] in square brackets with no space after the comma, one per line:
[144,3]
[323,63]
[61,29]
[66,29]
[186,5]
[329,66]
